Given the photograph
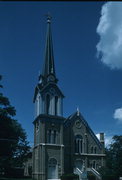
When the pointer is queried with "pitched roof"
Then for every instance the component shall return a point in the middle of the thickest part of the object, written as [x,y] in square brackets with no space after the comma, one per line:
[49,67]
[39,88]
[72,118]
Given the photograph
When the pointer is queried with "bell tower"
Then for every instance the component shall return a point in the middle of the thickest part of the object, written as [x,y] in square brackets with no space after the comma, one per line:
[48,97]
[48,124]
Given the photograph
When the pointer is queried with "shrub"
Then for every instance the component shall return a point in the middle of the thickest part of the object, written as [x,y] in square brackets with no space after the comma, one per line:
[14,172]
[71,176]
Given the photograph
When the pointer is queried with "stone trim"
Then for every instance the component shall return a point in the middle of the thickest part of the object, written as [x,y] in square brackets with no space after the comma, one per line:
[48,144]
[85,154]
[36,173]
[53,179]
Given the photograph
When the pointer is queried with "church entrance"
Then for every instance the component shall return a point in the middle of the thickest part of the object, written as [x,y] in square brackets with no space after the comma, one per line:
[52,169]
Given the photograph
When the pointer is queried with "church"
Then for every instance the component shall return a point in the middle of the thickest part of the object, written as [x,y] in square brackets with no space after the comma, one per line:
[61,145]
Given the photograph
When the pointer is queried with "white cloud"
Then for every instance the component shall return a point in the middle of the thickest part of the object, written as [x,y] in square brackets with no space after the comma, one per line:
[118,114]
[107,138]
[109,48]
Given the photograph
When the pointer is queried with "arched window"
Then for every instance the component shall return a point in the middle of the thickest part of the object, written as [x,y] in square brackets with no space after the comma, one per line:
[37,126]
[78,144]
[56,105]
[92,150]
[37,105]
[54,137]
[52,169]
[51,136]
[81,145]
[47,103]
[95,150]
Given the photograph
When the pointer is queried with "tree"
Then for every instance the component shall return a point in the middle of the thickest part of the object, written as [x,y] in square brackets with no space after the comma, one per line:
[115,151]
[13,139]
[113,169]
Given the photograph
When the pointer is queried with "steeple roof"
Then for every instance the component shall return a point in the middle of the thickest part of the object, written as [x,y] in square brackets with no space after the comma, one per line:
[49,67]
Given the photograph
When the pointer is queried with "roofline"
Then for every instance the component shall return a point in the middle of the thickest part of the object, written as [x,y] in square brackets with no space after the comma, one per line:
[86,124]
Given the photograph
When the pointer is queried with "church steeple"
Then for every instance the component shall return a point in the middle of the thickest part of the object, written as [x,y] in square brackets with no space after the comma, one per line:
[48,73]
[48,98]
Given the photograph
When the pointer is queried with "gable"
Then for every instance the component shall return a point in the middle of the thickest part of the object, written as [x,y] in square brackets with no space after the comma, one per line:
[50,86]
[40,89]
[79,125]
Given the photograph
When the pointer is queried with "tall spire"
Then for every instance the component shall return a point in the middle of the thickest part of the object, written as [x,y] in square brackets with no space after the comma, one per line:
[49,67]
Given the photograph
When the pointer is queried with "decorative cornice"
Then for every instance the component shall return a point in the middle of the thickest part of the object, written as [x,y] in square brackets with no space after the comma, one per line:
[86,154]
[47,144]
[49,118]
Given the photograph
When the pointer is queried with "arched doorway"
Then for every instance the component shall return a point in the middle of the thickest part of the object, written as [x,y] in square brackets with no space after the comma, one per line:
[52,169]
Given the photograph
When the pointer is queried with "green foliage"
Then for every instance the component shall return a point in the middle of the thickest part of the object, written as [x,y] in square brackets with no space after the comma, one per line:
[13,139]
[91,177]
[113,169]
[71,176]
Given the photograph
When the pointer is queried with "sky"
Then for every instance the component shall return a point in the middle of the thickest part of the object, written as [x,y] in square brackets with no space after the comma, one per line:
[87,42]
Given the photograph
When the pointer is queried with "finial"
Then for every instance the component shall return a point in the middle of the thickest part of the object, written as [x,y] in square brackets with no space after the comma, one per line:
[78,111]
[49,17]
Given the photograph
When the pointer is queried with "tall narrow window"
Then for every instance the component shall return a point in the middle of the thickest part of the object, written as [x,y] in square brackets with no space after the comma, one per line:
[47,103]
[81,145]
[92,150]
[95,150]
[78,144]
[54,140]
[53,136]
[56,104]
[49,136]
[37,126]
[37,104]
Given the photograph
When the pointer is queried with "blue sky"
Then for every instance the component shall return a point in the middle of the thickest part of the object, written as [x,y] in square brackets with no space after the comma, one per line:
[80,32]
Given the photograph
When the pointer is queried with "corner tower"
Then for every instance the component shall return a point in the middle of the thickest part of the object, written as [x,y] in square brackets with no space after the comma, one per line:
[48,149]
